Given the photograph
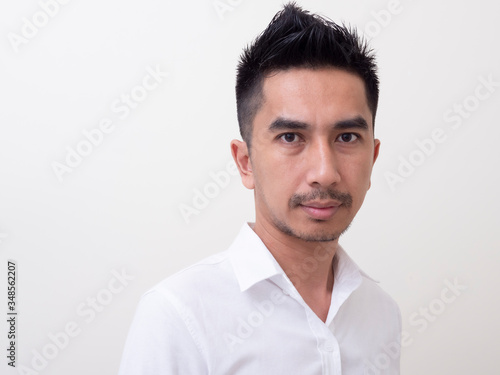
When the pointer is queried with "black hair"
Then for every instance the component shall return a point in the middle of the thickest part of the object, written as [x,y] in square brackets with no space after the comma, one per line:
[297,39]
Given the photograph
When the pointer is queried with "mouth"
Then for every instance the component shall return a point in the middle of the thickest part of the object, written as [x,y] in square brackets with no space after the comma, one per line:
[321,210]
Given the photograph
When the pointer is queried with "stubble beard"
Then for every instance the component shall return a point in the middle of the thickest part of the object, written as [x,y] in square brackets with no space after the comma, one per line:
[321,235]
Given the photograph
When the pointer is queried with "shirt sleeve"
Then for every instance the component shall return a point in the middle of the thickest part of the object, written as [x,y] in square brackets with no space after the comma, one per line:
[159,342]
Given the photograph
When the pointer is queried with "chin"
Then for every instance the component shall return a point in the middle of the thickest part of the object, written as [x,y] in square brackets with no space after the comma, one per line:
[310,232]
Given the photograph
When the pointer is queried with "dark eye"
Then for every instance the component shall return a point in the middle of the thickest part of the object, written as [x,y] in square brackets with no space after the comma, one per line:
[348,137]
[289,137]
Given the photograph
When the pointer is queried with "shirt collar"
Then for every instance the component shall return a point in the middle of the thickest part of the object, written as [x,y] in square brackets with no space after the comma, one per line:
[344,266]
[252,262]
[347,278]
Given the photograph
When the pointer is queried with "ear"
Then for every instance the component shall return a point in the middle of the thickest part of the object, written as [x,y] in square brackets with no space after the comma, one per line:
[241,157]
[376,150]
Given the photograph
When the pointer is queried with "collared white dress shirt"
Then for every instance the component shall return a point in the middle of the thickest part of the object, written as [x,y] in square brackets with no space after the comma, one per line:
[236,312]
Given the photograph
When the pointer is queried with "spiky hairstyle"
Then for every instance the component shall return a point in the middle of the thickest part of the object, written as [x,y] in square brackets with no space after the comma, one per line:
[297,39]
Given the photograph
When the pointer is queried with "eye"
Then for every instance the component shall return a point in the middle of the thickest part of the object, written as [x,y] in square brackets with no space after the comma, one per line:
[289,137]
[348,137]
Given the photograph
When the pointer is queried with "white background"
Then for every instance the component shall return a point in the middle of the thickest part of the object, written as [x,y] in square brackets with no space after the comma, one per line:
[118,210]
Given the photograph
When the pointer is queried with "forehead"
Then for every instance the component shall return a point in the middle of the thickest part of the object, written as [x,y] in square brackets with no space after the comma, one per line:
[315,96]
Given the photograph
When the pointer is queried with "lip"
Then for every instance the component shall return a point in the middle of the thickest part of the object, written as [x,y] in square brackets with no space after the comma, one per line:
[320,210]
[322,204]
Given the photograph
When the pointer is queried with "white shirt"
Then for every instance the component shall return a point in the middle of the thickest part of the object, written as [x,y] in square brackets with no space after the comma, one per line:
[236,312]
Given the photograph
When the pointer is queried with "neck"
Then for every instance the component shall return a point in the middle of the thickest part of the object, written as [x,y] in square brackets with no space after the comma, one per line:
[308,264]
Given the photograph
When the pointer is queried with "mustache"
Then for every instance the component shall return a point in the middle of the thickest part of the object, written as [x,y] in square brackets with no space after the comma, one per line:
[344,198]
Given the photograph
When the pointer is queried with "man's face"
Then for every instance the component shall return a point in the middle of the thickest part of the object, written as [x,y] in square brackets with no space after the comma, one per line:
[312,153]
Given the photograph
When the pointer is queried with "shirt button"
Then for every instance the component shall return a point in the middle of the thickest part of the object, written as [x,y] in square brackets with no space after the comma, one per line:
[329,347]
[285,292]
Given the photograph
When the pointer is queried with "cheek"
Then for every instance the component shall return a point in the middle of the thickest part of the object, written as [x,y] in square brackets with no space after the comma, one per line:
[274,179]
[356,175]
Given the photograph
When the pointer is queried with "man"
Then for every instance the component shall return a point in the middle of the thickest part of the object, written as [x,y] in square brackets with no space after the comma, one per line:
[285,298]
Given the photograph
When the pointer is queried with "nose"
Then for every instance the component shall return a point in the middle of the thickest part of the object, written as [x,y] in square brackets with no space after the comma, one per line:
[322,165]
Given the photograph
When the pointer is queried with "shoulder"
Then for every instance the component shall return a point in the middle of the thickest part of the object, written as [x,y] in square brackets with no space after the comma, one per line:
[175,307]
[373,292]
[368,296]
[213,266]
[376,305]
[196,282]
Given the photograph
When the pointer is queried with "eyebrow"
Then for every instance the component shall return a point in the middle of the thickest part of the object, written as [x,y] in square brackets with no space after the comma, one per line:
[286,124]
[356,122]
